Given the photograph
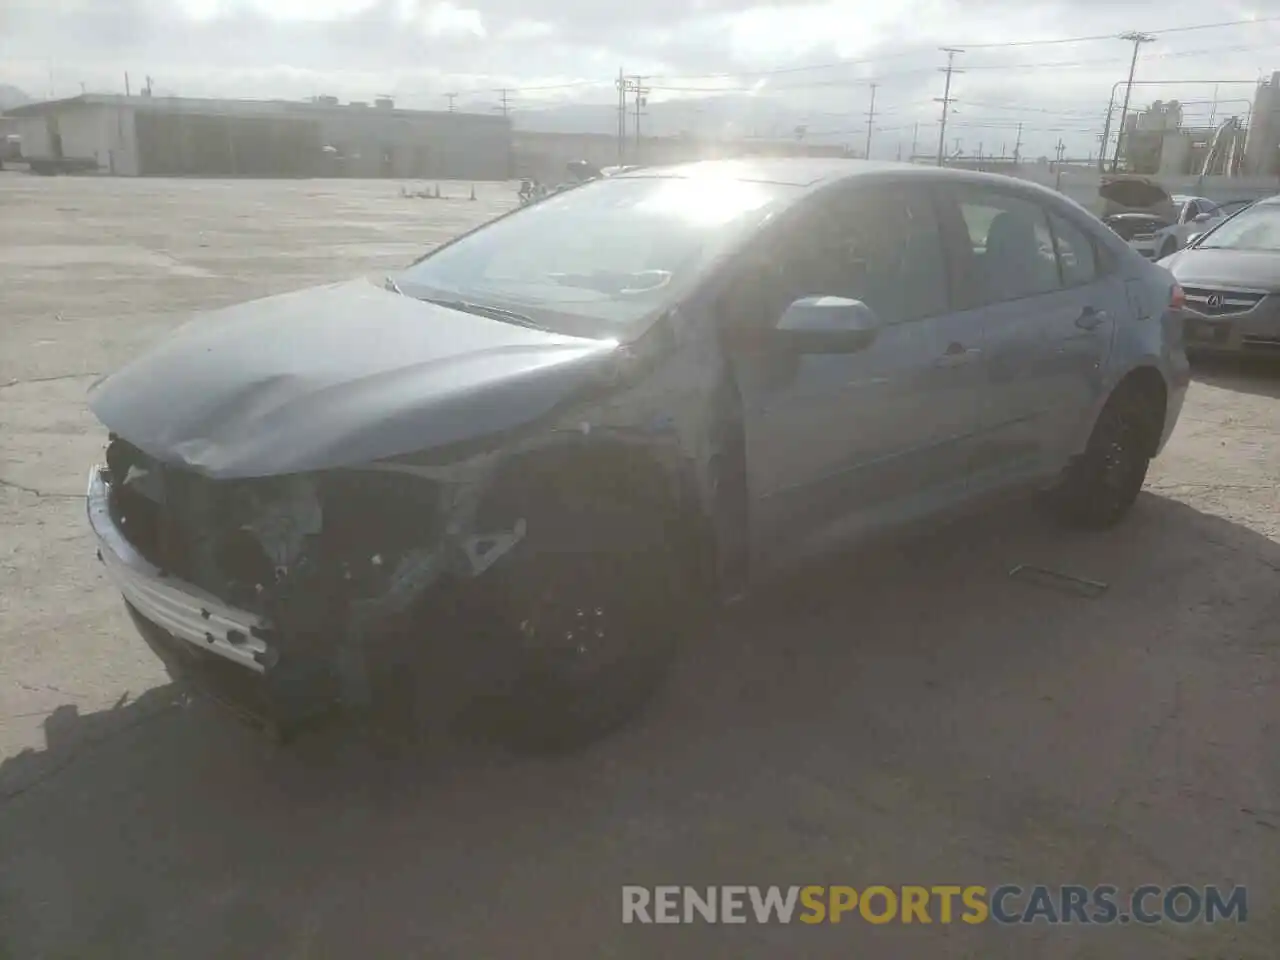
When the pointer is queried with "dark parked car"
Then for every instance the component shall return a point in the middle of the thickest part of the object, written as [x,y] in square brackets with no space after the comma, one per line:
[558,440]
[1231,276]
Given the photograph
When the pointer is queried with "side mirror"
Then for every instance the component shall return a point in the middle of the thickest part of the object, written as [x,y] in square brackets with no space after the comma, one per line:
[827,325]
[1202,218]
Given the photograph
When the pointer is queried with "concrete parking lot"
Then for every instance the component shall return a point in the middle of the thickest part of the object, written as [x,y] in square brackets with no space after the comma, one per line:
[910,715]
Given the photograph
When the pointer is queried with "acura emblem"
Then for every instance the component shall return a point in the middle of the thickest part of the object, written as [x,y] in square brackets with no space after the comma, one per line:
[1214,301]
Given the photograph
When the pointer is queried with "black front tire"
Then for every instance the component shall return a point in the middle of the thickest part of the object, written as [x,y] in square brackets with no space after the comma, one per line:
[589,611]
[1099,487]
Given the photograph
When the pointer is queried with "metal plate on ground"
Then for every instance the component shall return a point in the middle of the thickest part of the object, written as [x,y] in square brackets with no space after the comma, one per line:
[1062,582]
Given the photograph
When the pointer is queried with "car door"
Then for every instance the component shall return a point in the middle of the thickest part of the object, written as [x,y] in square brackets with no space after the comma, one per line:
[839,443]
[1094,300]
[1041,337]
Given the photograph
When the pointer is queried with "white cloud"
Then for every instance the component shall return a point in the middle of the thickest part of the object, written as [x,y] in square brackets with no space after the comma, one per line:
[419,49]
[448,20]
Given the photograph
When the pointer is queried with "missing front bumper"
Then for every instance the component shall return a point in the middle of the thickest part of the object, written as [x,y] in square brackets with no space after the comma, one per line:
[280,671]
[179,608]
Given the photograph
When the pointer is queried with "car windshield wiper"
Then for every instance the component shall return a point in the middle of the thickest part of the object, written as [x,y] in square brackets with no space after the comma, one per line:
[487,310]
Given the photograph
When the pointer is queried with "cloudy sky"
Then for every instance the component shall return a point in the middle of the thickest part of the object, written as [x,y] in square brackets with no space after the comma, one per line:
[816,58]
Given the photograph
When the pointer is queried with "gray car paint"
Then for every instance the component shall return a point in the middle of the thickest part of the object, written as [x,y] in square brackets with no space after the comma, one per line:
[342,375]
[333,376]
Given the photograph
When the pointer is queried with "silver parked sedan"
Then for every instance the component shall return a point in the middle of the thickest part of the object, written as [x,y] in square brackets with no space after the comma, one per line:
[548,444]
[1231,279]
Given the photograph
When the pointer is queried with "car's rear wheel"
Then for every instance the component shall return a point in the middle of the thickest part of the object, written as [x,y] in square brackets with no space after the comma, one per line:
[590,608]
[1099,487]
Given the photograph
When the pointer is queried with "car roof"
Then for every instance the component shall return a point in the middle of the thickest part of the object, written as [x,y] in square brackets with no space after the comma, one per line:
[814,172]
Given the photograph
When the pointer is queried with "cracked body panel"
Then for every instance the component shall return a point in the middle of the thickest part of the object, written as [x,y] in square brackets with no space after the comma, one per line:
[331,560]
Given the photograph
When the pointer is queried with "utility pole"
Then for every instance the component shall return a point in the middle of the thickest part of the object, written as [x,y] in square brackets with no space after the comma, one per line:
[452,97]
[915,137]
[1017,147]
[1059,149]
[126,84]
[945,100]
[635,85]
[622,115]
[1138,39]
[871,116]
[504,106]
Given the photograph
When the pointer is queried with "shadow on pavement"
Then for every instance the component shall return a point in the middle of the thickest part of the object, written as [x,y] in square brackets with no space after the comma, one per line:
[908,715]
[1251,374]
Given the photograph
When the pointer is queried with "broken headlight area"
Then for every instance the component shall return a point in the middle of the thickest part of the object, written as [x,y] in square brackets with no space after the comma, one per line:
[322,541]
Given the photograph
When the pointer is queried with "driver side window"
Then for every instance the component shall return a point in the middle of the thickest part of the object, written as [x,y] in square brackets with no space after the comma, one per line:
[880,247]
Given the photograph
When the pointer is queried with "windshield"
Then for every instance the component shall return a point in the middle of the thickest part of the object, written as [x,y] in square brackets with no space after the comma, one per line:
[1257,228]
[599,260]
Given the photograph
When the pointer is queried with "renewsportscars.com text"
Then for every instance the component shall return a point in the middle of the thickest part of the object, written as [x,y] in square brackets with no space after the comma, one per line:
[945,904]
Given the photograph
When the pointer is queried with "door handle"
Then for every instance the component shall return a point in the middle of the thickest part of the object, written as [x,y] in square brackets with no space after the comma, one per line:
[1090,318]
[957,354]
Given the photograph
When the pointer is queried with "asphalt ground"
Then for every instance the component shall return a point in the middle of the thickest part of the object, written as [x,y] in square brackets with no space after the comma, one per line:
[904,716]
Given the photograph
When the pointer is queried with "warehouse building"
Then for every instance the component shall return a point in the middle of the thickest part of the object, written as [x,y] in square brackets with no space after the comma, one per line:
[544,155]
[171,136]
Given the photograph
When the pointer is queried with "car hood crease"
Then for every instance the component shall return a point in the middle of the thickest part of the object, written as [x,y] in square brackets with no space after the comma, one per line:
[336,376]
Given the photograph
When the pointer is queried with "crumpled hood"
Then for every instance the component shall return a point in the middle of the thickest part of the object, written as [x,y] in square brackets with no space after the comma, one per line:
[336,376]
[1254,270]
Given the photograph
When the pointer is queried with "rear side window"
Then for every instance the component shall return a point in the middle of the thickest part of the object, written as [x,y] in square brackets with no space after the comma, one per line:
[1012,246]
[1076,255]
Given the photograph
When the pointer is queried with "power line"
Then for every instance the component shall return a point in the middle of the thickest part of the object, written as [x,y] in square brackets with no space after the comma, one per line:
[1098,61]
[1112,36]
[922,71]
[1007,44]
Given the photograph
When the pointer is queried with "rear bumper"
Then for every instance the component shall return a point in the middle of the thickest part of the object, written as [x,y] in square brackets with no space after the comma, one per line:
[1145,246]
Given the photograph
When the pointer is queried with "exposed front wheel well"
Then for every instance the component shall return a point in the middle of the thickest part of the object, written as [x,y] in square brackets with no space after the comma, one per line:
[625,474]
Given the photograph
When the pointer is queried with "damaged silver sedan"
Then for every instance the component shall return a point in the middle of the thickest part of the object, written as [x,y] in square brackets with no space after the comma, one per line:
[559,439]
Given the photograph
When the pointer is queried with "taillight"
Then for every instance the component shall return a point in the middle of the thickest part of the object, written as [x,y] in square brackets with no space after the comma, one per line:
[1177,299]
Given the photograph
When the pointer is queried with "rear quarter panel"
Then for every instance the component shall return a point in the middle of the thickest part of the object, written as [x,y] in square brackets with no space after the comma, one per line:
[1149,333]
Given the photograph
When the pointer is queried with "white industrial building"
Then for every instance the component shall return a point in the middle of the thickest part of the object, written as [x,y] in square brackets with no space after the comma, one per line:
[172,136]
